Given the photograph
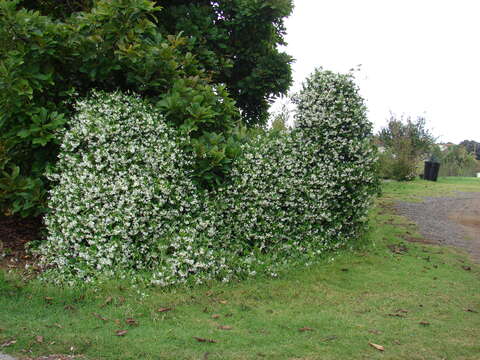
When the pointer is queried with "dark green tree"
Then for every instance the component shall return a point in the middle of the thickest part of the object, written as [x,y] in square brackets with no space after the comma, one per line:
[236,42]
[472,147]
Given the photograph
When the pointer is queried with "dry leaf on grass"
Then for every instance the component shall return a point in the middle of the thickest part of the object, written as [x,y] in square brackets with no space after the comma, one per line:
[164,309]
[131,321]
[108,301]
[378,347]
[8,343]
[121,332]
[98,316]
[467,268]
[424,323]
[224,302]
[39,339]
[225,327]
[215,316]
[199,339]
[306,328]
[472,311]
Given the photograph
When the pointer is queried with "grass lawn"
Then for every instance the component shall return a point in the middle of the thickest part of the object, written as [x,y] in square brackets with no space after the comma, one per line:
[417,301]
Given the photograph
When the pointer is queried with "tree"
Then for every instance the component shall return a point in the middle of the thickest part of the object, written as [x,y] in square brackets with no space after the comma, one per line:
[406,142]
[235,41]
[457,161]
[472,147]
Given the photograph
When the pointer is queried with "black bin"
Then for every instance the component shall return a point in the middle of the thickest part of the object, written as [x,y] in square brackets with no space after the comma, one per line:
[431,170]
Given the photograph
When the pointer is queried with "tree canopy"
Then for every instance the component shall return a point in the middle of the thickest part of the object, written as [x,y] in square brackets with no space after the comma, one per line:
[235,41]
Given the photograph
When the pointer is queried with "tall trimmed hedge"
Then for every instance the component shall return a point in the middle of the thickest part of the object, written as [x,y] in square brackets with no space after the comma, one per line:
[291,195]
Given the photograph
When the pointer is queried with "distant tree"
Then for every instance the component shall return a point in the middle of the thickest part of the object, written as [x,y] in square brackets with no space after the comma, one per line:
[406,142]
[457,161]
[472,147]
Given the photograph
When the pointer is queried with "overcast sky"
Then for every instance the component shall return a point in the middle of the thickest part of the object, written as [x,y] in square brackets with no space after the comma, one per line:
[419,57]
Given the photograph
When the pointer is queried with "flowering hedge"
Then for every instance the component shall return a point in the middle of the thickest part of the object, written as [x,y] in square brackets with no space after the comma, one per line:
[125,204]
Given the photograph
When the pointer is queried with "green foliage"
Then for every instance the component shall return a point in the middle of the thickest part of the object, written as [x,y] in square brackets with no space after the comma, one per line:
[472,147]
[457,161]
[406,142]
[116,45]
[236,42]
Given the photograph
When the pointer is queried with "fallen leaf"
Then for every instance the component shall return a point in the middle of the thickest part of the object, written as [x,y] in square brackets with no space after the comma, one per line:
[121,332]
[378,347]
[425,323]
[306,328]
[39,339]
[204,340]
[472,311]
[164,309]
[98,316]
[215,316]
[117,321]
[397,315]
[331,338]
[397,342]
[108,300]
[224,302]
[69,307]
[225,327]
[467,268]
[131,321]
[8,343]
[48,299]
[374,331]
[402,311]
[229,315]
[55,325]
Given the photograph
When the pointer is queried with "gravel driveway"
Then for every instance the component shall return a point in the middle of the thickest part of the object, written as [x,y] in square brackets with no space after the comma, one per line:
[451,221]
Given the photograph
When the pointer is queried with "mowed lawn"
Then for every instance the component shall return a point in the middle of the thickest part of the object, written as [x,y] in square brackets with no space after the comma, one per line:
[414,301]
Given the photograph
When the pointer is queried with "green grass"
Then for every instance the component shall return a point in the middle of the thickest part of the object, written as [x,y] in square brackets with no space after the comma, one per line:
[414,190]
[346,301]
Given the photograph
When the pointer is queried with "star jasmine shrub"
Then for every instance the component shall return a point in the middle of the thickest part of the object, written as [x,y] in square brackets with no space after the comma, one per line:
[295,196]
[125,204]
[121,191]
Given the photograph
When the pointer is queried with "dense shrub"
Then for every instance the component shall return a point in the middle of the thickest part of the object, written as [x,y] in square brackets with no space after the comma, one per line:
[292,195]
[121,189]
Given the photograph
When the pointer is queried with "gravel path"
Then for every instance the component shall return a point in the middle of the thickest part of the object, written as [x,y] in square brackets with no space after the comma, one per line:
[6,357]
[451,221]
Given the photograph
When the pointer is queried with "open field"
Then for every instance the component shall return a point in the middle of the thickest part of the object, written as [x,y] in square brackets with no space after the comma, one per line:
[418,301]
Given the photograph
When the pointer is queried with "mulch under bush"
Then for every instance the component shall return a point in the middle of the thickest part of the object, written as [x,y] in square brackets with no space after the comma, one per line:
[15,233]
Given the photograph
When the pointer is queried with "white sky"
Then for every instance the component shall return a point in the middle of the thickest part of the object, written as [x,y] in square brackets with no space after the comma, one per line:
[419,57]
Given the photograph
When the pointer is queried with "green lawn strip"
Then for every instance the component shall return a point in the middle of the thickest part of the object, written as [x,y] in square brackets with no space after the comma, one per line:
[415,190]
[370,295]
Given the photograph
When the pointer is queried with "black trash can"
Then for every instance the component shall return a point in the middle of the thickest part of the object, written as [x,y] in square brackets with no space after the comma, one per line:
[431,170]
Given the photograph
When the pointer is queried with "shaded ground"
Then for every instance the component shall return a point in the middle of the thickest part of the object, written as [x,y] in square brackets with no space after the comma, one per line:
[15,234]
[453,221]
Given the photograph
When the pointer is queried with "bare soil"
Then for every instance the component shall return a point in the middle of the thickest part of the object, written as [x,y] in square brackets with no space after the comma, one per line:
[15,234]
[453,221]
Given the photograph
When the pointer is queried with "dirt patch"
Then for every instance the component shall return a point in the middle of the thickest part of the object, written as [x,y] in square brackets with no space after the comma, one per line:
[451,221]
[15,234]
